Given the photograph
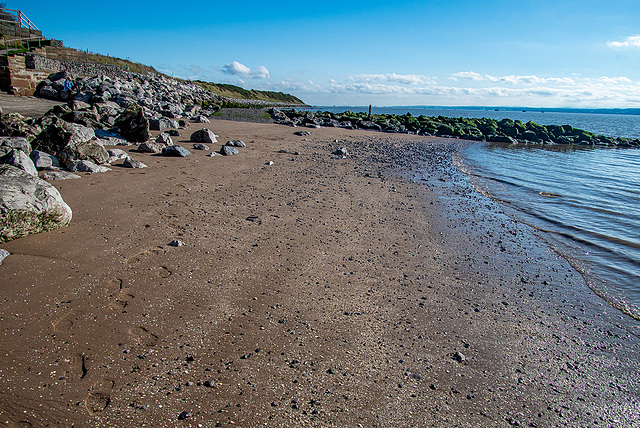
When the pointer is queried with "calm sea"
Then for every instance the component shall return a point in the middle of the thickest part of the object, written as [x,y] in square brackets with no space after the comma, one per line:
[587,201]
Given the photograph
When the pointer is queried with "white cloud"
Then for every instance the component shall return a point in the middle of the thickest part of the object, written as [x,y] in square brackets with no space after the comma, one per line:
[629,42]
[480,89]
[237,69]
[406,79]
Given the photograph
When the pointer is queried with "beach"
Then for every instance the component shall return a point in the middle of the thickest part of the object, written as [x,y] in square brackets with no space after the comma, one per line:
[375,289]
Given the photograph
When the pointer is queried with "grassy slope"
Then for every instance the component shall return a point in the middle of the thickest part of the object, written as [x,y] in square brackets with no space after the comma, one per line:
[232,91]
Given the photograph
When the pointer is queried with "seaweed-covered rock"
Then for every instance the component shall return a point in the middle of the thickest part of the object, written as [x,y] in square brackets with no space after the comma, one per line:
[28,205]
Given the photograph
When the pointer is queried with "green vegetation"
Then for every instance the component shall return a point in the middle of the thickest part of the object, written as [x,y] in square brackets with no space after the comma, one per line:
[232,91]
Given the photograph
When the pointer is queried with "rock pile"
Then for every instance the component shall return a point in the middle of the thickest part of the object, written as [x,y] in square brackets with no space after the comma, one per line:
[101,111]
[477,129]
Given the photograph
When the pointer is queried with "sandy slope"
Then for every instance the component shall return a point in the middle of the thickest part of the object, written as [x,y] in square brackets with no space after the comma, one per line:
[315,291]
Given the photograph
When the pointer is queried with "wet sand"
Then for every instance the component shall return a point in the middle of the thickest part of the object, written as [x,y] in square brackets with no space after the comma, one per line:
[316,291]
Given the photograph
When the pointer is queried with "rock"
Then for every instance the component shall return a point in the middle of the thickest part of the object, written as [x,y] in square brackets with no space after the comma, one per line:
[88,150]
[175,151]
[58,175]
[201,119]
[20,160]
[173,133]
[3,255]
[228,151]
[164,139]
[204,136]
[48,92]
[200,146]
[342,151]
[43,160]
[19,143]
[28,205]
[116,155]
[132,163]
[132,124]
[236,143]
[212,154]
[150,147]
[79,133]
[303,133]
[15,125]
[86,166]
[184,415]
[160,124]
[176,243]
[459,357]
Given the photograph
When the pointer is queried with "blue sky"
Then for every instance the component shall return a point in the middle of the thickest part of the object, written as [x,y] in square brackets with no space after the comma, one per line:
[538,53]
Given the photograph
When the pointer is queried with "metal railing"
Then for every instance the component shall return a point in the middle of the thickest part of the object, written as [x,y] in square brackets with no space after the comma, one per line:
[20,42]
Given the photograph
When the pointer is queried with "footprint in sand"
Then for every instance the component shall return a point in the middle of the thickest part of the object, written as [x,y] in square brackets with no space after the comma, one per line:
[114,287]
[142,336]
[137,258]
[162,272]
[78,367]
[121,302]
[99,397]
[65,323]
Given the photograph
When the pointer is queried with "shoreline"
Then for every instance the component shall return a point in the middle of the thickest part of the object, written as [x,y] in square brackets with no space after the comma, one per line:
[315,291]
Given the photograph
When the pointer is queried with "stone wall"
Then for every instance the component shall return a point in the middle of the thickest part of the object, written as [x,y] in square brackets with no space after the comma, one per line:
[16,79]
[21,74]
[84,69]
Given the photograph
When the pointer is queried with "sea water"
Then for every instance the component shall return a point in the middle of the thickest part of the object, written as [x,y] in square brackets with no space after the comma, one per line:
[586,201]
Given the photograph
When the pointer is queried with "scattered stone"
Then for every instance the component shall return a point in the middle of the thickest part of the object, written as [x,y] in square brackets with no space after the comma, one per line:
[269,163]
[164,139]
[459,357]
[86,166]
[184,415]
[176,243]
[28,205]
[228,151]
[58,175]
[212,154]
[116,155]
[203,135]
[176,151]
[132,163]
[173,132]
[3,255]
[209,383]
[342,151]
[200,146]
[201,119]
[236,143]
[303,133]
[150,147]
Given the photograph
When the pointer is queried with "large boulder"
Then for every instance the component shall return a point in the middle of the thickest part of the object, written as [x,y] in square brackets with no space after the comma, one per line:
[60,134]
[19,143]
[20,160]
[88,150]
[132,124]
[15,125]
[28,205]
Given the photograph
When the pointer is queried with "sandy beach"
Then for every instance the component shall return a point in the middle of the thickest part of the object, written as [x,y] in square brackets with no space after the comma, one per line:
[374,290]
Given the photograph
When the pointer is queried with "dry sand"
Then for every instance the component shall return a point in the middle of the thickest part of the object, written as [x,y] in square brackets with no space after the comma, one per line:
[316,291]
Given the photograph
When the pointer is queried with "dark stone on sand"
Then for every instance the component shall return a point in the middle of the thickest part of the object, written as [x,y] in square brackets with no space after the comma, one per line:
[459,357]
[175,151]
[184,415]
[229,151]
[236,143]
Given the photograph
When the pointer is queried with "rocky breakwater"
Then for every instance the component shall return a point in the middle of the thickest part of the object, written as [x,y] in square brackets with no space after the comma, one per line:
[101,111]
[476,129]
